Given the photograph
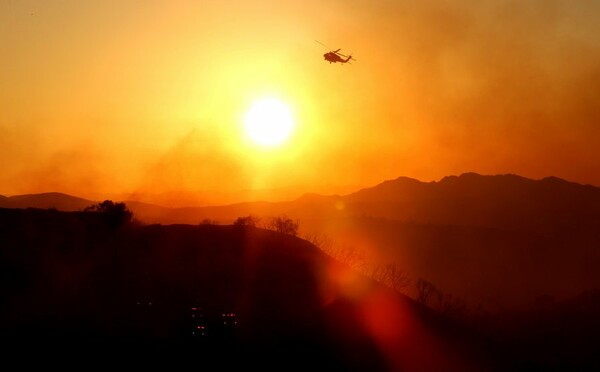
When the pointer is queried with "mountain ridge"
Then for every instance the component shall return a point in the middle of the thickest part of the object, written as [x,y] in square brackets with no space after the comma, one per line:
[506,201]
[46,200]
[401,181]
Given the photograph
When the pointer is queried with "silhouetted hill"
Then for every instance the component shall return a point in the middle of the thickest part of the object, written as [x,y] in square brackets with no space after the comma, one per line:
[496,268]
[71,276]
[151,212]
[507,202]
[556,335]
[398,190]
[498,241]
[316,198]
[504,201]
[47,200]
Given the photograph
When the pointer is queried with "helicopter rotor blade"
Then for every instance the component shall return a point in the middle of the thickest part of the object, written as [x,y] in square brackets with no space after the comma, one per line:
[337,51]
[324,45]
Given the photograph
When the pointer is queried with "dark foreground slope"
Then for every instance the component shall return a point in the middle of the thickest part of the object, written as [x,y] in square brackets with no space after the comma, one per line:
[70,277]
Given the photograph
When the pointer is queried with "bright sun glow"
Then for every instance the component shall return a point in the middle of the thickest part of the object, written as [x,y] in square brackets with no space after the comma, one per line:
[268,122]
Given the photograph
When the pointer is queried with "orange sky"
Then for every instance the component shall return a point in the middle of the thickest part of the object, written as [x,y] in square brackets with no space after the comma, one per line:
[147,97]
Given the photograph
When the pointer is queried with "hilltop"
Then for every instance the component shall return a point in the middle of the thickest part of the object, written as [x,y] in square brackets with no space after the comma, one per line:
[70,276]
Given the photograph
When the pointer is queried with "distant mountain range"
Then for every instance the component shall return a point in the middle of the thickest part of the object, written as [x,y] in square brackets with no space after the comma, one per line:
[49,200]
[501,201]
[505,201]
[497,241]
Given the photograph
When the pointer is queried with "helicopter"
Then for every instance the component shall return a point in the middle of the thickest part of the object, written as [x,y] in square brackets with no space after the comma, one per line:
[335,56]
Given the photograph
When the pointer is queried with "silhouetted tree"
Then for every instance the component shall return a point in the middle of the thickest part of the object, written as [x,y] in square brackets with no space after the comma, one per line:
[397,278]
[284,224]
[353,257]
[390,274]
[452,307]
[425,291]
[320,241]
[208,221]
[117,214]
[346,254]
[249,220]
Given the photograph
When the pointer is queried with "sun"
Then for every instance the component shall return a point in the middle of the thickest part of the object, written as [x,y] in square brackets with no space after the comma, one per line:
[268,122]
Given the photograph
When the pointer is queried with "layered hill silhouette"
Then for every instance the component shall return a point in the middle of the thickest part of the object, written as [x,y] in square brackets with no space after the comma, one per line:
[506,201]
[50,200]
[522,254]
[71,276]
[502,201]
[495,241]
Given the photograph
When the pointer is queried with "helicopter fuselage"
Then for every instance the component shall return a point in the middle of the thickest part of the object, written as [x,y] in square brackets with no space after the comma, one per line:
[333,57]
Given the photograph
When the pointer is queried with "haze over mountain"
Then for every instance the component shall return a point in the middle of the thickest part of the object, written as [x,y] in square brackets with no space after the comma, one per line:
[55,200]
[521,255]
[502,201]
[212,173]
[494,241]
